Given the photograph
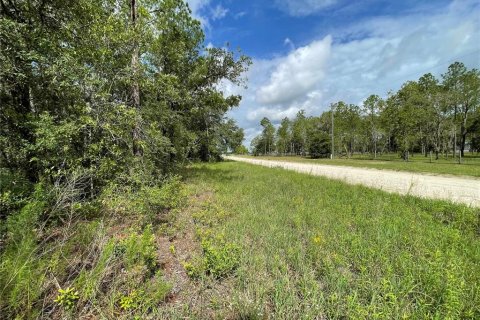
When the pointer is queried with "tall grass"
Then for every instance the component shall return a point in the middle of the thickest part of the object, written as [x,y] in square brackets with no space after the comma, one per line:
[315,248]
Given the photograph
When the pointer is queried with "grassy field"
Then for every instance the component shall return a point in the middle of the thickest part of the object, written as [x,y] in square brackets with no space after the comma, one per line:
[282,245]
[470,165]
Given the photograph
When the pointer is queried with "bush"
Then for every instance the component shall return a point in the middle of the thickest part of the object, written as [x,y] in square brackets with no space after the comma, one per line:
[241,150]
[140,249]
[319,145]
[220,258]
[147,201]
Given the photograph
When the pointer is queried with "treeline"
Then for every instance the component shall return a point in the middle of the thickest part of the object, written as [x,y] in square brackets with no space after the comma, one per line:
[428,115]
[98,88]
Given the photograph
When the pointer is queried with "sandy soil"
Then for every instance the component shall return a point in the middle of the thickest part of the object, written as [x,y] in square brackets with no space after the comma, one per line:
[456,189]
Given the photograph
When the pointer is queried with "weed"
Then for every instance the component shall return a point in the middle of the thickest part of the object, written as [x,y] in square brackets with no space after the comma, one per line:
[130,301]
[140,248]
[67,298]
[221,258]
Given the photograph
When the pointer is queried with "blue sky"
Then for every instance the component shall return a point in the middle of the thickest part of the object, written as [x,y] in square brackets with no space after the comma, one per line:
[309,53]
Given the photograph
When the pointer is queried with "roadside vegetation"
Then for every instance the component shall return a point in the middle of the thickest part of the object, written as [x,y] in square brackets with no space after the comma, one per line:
[102,103]
[470,165]
[316,248]
[112,205]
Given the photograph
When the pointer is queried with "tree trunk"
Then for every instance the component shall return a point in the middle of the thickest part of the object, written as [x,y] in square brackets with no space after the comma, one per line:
[463,131]
[137,150]
[463,141]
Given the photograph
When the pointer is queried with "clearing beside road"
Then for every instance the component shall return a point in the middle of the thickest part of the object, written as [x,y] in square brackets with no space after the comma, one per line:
[456,189]
[313,248]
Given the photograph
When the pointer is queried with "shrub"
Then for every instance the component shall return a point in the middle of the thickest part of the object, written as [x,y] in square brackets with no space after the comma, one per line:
[140,249]
[221,258]
[67,298]
[147,201]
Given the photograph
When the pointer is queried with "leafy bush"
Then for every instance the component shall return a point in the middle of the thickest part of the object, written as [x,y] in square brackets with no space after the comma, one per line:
[319,145]
[147,201]
[67,298]
[140,249]
[14,191]
[220,258]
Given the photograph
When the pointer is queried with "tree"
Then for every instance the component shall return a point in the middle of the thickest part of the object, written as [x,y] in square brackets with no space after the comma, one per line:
[403,108]
[463,90]
[299,133]
[347,125]
[268,135]
[231,136]
[284,136]
[371,109]
[108,87]
[435,115]
[319,145]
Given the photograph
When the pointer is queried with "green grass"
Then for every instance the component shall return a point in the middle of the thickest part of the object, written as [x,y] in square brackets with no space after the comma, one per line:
[316,248]
[470,165]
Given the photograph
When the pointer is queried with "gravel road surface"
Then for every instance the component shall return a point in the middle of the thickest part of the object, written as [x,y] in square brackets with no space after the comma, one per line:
[457,189]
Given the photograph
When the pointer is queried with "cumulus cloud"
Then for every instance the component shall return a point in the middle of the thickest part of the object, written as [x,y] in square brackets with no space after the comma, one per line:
[197,6]
[218,12]
[297,73]
[303,7]
[394,50]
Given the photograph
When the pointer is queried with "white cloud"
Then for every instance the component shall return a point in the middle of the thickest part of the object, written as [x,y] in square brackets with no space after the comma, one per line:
[289,43]
[303,7]
[322,72]
[197,6]
[297,73]
[218,12]
[239,14]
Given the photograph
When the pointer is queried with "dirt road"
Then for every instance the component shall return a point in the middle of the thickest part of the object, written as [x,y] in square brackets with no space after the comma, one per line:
[456,189]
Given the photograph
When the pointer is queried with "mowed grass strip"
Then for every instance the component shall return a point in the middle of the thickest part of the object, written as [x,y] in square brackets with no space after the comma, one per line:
[470,165]
[316,248]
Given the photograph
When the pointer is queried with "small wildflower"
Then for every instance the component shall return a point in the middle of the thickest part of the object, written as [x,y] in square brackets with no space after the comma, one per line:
[172,249]
[317,239]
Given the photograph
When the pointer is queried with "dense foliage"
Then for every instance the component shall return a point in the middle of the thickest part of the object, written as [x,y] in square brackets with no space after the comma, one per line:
[100,102]
[424,115]
[95,88]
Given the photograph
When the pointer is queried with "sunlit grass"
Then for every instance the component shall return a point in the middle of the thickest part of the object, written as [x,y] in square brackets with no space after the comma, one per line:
[316,248]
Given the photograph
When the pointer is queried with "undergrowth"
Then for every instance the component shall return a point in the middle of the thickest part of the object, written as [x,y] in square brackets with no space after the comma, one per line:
[82,258]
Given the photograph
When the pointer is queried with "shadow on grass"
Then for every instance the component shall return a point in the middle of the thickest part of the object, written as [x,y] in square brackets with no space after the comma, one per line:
[211,172]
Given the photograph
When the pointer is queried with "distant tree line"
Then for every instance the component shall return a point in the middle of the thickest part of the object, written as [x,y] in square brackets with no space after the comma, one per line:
[428,115]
